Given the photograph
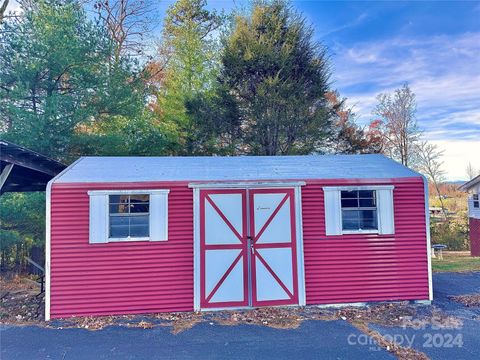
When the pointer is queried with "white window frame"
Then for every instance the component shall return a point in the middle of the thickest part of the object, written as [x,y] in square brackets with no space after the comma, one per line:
[107,193]
[360,231]
[339,189]
[477,201]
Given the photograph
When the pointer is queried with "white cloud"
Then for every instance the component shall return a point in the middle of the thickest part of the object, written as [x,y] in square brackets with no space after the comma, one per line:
[458,154]
[358,20]
[444,73]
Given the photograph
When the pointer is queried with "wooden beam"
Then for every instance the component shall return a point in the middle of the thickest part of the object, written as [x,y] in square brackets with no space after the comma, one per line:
[4,175]
[36,165]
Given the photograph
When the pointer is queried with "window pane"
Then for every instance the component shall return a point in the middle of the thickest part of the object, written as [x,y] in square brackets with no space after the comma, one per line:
[116,199]
[368,219]
[346,203]
[118,208]
[139,226]
[350,219]
[367,203]
[366,194]
[138,198]
[119,226]
[139,208]
[349,194]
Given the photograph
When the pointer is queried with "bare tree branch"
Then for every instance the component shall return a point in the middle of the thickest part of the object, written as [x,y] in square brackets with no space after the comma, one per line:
[128,22]
[400,133]
[430,164]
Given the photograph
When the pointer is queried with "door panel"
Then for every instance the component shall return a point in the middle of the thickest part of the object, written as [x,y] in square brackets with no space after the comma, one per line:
[229,259]
[274,265]
[223,244]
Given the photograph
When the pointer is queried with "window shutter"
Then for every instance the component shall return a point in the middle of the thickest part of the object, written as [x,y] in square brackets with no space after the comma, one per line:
[98,219]
[159,216]
[385,211]
[333,212]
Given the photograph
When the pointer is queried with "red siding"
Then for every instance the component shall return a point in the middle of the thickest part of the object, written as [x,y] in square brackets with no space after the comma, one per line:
[142,277]
[359,268]
[119,278]
[474,236]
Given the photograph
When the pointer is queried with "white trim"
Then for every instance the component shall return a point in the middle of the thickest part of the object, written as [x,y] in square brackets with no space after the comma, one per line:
[48,224]
[106,193]
[128,192]
[196,250]
[358,187]
[128,239]
[246,185]
[328,208]
[369,303]
[429,246]
[4,175]
[349,232]
[300,254]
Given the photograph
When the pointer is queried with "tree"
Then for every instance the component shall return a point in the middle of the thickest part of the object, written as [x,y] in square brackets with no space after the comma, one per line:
[191,67]
[429,163]
[471,171]
[3,8]
[401,133]
[348,137]
[55,76]
[278,76]
[128,22]
[22,226]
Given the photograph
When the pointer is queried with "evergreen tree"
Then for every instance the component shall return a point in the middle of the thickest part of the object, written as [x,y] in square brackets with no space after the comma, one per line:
[192,62]
[55,76]
[279,77]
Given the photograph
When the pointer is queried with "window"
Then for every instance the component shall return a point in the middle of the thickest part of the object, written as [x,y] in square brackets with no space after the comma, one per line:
[476,201]
[359,210]
[129,216]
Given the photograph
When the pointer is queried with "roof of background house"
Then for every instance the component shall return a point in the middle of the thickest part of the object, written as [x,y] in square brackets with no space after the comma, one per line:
[470,184]
[233,168]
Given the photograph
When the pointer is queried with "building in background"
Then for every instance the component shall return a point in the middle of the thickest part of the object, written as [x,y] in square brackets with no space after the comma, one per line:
[473,189]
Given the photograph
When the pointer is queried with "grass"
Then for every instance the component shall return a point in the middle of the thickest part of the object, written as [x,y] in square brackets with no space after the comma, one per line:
[456,261]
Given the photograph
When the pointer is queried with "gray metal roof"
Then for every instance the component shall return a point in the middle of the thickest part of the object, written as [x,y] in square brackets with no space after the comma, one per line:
[234,168]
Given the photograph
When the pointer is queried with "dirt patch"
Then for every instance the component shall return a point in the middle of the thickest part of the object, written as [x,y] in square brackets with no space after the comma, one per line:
[403,353]
[471,300]
[278,318]
[20,301]
[401,314]
[179,321]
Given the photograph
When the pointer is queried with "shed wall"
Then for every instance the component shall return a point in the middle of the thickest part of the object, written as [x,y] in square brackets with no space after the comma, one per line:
[142,277]
[120,277]
[367,267]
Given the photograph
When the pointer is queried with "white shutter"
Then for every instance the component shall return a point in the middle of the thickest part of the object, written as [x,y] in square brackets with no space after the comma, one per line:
[333,212]
[98,219]
[385,211]
[159,216]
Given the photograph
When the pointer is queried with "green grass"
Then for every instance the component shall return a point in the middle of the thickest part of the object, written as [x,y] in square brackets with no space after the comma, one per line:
[456,261]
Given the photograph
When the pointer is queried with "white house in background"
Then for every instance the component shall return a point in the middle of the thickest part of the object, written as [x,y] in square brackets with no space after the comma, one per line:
[473,189]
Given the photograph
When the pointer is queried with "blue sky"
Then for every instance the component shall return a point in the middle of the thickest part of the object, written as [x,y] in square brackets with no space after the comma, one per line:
[434,46]
[376,46]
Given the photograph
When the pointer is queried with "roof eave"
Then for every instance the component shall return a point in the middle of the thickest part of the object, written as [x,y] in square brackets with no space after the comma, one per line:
[469,184]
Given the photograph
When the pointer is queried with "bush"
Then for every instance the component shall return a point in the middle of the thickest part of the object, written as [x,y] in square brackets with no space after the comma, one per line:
[453,233]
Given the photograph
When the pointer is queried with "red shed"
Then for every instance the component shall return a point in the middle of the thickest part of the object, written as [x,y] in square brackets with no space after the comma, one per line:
[132,235]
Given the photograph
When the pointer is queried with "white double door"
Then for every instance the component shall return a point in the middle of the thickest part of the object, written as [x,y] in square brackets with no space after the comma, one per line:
[248,253]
